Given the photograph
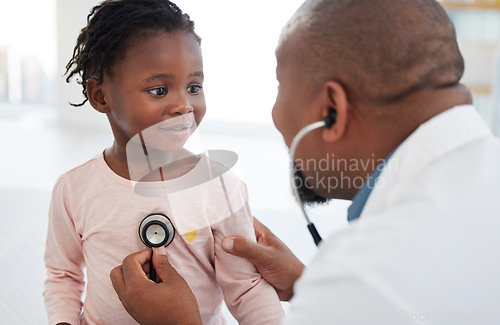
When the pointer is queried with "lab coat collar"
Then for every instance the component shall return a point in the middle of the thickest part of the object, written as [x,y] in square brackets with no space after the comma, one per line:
[433,139]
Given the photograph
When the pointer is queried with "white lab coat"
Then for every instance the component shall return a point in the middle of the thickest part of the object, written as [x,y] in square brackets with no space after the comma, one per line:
[426,248]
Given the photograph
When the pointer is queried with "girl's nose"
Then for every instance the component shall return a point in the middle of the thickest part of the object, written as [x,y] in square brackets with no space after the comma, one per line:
[180,106]
[181,109]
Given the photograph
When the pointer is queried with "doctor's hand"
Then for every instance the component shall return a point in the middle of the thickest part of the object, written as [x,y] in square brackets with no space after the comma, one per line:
[168,302]
[273,259]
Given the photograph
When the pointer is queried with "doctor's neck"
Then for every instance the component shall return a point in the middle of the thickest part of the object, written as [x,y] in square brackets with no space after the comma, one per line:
[421,106]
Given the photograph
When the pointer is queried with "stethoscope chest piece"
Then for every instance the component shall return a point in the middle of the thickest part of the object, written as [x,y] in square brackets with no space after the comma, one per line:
[156,230]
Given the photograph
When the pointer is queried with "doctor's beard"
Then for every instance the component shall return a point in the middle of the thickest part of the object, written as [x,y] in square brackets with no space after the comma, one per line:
[307,195]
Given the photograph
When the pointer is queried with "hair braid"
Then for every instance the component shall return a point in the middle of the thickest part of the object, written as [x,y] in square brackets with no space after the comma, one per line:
[111,27]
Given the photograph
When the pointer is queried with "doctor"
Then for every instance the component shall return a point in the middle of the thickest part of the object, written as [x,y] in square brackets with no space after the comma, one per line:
[419,163]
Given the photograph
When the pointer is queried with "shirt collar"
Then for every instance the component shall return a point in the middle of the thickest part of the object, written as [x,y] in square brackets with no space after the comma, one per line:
[359,201]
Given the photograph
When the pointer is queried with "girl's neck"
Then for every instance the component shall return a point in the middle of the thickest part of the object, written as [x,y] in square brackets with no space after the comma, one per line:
[156,166]
[116,159]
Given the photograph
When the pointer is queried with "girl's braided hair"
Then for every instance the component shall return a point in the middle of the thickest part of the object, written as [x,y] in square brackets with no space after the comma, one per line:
[112,26]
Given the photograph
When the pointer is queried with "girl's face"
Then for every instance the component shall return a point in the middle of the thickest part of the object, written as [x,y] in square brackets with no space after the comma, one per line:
[161,77]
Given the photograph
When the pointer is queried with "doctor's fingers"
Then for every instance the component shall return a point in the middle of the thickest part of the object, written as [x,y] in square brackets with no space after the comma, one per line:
[276,248]
[263,234]
[134,266]
[117,274]
[163,268]
[258,253]
[117,280]
[274,260]
[174,291]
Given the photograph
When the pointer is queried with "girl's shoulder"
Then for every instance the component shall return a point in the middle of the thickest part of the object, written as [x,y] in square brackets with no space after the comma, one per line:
[84,168]
[81,174]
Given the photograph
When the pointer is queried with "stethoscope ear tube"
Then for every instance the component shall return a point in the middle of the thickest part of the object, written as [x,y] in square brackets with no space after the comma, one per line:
[293,148]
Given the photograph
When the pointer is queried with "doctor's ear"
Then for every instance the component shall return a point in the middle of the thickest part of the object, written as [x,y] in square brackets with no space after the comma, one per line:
[97,95]
[334,111]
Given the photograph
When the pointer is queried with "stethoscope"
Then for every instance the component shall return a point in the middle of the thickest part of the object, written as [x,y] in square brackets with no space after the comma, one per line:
[156,230]
[326,122]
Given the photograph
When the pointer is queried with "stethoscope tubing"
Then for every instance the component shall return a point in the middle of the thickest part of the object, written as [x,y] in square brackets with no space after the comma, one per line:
[152,272]
[293,148]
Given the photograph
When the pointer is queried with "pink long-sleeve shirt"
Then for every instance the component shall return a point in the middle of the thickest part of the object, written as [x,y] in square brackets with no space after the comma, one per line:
[94,219]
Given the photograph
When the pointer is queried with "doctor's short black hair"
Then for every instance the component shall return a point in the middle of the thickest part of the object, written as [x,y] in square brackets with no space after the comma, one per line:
[112,27]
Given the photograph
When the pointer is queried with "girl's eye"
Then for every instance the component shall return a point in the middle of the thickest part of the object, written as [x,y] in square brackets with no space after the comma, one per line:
[194,89]
[160,91]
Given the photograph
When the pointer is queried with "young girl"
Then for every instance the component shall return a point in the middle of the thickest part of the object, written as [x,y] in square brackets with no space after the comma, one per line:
[140,64]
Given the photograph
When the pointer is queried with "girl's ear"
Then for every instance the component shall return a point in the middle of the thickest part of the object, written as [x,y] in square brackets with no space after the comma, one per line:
[97,96]
[335,104]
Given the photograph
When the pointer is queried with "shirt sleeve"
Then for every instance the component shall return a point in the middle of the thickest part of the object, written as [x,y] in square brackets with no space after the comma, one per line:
[64,261]
[249,298]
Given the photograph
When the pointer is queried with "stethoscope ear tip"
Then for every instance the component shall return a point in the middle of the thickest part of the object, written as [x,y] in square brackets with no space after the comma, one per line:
[331,118]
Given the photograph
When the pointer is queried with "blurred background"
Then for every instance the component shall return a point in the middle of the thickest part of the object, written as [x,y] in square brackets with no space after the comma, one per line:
[42,136]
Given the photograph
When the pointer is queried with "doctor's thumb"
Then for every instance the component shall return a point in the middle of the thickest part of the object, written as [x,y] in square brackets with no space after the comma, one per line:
[243,247]
[161,264]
